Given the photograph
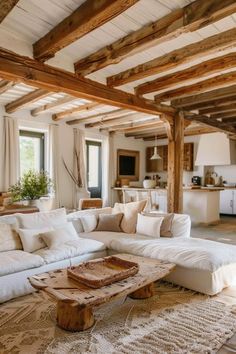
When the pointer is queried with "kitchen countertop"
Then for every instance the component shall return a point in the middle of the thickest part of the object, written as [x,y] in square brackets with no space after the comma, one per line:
[188,189]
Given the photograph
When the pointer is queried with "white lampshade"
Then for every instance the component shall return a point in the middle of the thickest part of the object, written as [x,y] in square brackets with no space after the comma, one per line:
[155,156]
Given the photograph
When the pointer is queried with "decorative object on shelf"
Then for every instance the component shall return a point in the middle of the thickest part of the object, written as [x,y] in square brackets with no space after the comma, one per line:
[124,182]
[31,187]
[128,165]
[81,190]
[149,183]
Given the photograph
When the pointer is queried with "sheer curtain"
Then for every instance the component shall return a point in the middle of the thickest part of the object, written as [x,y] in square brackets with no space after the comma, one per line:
[79,150]
[108,170]
[10,161]
[54,161]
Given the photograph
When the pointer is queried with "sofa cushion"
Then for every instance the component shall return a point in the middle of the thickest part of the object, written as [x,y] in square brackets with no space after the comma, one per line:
[149,226]
[89,222]
[17,261]
[189,253]
[31,239]
[130,211]
[109,222]
[166,225]
[9,239]
[70,249]
[59,236]
[42,219]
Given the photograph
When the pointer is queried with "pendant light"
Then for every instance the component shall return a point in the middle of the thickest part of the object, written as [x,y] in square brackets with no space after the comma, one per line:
[155,156]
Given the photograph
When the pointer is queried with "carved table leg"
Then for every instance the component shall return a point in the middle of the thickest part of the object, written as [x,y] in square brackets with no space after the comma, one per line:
[143,293]
[72,317]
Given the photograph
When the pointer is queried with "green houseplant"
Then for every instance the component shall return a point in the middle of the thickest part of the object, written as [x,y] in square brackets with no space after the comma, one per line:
[31,186]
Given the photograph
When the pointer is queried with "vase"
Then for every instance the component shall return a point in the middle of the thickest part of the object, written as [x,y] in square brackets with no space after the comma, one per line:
[82,193]
[33,202]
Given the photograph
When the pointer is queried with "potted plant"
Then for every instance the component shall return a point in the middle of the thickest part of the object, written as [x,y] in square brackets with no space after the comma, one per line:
[76,177]
[31,187]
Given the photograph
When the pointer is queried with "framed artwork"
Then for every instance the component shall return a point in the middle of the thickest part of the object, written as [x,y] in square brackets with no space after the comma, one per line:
[128,164]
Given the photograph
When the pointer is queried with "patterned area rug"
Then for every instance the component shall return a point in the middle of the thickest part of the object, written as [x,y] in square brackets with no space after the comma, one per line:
[174,321]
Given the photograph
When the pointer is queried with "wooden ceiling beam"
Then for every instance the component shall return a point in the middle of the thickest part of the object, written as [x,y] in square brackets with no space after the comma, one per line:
[16,67]
[98,117]
[219,81]
[213,123]
[107,121]
[228,121]
[143,128]
[49,106]
[220,102]
[118,126]
[5,86]
[154,131]
[5,7]
[223,115]
[199,71]
[194,16]
[207,46]
[222,109]
[26,100]
[195,131]
[204,97]
[87,17]
[67,113]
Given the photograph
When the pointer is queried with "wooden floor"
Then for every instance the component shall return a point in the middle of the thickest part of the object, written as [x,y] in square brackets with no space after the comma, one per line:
[224,232]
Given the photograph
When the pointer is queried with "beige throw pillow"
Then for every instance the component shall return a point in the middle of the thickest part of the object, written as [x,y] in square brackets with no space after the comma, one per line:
[109,222]
[166,226]
[59,236]
[130,211]
[9,239]
[149,226]
[31,238]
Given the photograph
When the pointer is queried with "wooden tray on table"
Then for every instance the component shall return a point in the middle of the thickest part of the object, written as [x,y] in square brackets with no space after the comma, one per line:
[104,271]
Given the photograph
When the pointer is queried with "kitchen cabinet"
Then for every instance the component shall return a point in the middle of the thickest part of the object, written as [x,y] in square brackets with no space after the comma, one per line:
[228,201]
[162,164]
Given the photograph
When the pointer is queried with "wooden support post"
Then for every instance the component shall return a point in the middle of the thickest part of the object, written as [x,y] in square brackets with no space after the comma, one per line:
[175,166]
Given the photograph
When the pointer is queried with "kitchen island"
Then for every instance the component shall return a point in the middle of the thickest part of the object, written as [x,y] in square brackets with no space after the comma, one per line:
[202,204]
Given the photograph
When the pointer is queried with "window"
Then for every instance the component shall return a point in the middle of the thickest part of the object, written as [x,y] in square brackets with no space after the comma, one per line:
[94,170]
[31,151]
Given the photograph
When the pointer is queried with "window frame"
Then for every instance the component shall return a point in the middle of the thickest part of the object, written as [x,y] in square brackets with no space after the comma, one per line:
[39,135]
[96,192]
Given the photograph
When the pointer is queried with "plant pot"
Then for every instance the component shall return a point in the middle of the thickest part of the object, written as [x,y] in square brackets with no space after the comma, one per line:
[33,202]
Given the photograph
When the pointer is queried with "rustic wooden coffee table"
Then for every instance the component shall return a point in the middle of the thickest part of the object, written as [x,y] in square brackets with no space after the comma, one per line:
[75,301]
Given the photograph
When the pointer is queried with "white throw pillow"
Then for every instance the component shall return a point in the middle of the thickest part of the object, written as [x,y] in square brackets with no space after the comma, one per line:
[9,239]
[31,238]
[149,226]
[39,220]
[77,223]
[59,236]
[89,222]
[130,211]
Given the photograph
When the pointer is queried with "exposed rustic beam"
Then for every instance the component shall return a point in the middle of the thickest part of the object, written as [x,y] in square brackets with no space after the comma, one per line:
[209,122]
[100,117]
[175,166]
[210,45]
[87,17]
[49,106]
[220,102]
[197,131]
[5,7]
[5,86]
[118,126]
[143,128]
[196,15]
[204,97]
[222,115]
[156,131]
[228,121]
[199,71]
[26,100]
[222,109]
[16,67]
[202,86]
[69,112]
[107,120]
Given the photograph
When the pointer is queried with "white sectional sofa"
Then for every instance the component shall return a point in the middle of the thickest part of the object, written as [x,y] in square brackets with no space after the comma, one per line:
[201,265]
